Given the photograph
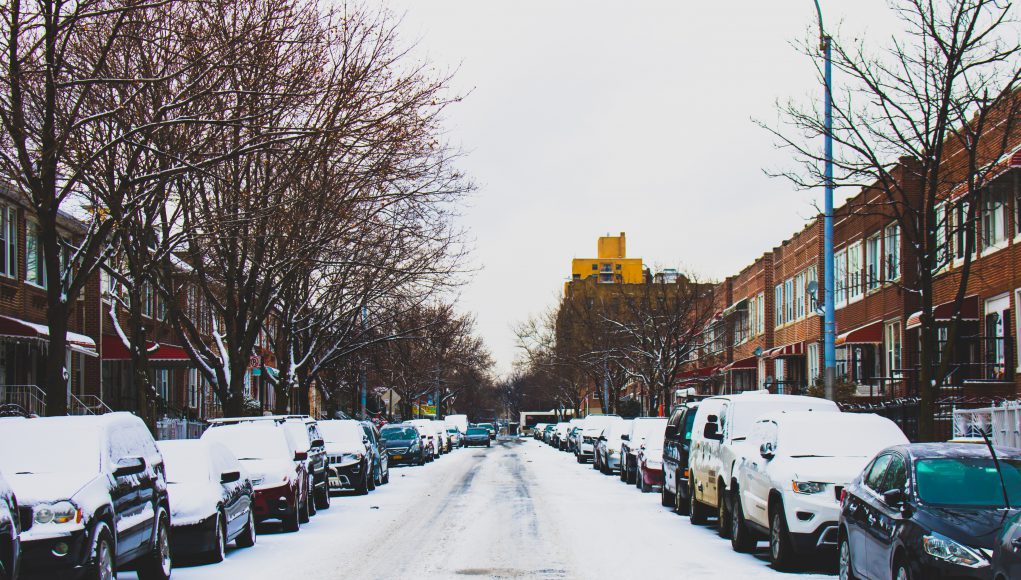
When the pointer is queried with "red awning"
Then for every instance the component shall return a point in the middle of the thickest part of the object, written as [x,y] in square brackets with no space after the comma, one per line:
[16,328]
[945,312]
[745,364]
[114,349]
[868,334]
[698,373]
[792,349]
[1011,161]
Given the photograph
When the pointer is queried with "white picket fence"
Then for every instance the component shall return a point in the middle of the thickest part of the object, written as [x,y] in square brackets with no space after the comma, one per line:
[1001,423]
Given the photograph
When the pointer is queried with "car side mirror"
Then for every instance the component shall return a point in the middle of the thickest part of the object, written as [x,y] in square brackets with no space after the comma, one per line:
[365,439]
[300,455]
[230,476]
[893,497]
[671,431]
[602,437]
[712,432]
[766,451]
[318,443]
[129,466]
[625,437]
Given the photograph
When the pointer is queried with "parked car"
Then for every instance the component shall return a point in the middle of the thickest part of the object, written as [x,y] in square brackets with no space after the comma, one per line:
[558,438]
[455,436]
[592,427]
[377,451]
[440,428]
[349,456]
[632,441]
[547,433]
[650,464]
[573,437]
[1006,562]
[928,510]
[477,436]
[787,487]
[92,495]
[304,433]
[721,425]
[10,532]
[459,421]
[607,454]
[489,427]
[404,445]
[538,430]
[210,499]
[277,468]
[425,426]
[676,447]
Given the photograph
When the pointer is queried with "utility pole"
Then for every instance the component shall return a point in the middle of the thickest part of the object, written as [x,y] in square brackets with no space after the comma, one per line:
[829,319]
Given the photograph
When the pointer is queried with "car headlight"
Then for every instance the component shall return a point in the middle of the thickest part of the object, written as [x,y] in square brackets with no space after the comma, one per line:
[413,447]
[62,512]
[943,548]
[808,487]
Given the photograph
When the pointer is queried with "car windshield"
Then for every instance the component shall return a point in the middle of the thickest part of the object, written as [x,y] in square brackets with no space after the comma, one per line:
[49,446]
[650,428]
[251,441]
[489,426]
[961,481]
[478,431]
[398,433]
[342,432]
[810,439]
[452,430]
[185,461]
[299,434]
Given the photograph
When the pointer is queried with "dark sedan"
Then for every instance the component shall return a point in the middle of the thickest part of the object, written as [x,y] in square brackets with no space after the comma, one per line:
[477,436]
[1007,552]
[10,528]
[928,510]
[404,445]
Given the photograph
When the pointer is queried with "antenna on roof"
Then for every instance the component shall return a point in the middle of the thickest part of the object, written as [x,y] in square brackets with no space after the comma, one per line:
[999,471]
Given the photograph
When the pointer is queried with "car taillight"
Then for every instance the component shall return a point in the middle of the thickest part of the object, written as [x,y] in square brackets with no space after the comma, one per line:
[843,496]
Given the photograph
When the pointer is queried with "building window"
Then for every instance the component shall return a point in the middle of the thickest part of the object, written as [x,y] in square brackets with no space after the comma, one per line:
[741,326]
[778,305]
[994,216]
[854,268]
[812,298]
[892,346]
[194,388]
[35,266]
[8,242]
[964,229]
[813,362]
[799,295]
[760,327]
[146,298]
[162,383]
[788,299]
[997,323]
[778,375]
[891,252]
[161,306]
[840,277]
[1017,333]
[941,255]
[872,263]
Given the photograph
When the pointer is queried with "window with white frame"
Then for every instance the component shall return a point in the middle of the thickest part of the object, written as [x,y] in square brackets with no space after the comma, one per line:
[997,321]
[964,229]
[854,269]
[994,215]
[891,252]
[193,388]
[799,295]
[146,297]
[8,241]
[741,326]
[788,299]
[840,277]
[753,315]
[162,383]
[35,266]
[941,253]
[778,374]
[760,308]
[778,306]
[892,348]
[813,362]
[873,263]
[812,299]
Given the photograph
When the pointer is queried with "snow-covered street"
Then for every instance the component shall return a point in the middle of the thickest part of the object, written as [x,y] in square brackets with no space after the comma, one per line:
[518,510]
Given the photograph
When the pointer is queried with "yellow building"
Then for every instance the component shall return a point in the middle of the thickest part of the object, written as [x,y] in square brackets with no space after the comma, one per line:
[611,264]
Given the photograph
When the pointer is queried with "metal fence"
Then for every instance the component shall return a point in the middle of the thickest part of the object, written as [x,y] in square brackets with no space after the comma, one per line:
[1001,423]
[167,428]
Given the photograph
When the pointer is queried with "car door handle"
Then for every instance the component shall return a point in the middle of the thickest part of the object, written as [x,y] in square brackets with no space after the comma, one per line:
[1016,542]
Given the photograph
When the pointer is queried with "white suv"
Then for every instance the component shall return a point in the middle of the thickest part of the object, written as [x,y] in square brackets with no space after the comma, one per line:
[722,425]
[789,490]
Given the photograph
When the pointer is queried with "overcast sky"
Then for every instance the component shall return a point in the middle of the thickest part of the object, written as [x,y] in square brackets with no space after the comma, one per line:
[585,118]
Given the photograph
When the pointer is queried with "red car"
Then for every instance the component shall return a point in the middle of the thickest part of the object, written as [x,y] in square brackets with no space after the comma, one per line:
[276,468]
[650,466]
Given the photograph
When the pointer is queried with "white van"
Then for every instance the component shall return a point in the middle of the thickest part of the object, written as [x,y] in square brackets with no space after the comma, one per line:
[722,425]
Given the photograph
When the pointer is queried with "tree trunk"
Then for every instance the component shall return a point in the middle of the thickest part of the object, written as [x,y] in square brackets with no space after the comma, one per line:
[55,380]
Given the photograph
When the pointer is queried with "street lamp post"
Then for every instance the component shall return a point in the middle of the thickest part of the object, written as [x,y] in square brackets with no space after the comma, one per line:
[829,322]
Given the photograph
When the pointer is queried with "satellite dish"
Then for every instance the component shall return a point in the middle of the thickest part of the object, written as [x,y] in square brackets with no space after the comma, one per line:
[812,287]
[757,351]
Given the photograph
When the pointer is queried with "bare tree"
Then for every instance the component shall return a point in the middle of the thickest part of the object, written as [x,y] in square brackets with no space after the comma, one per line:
[925,121]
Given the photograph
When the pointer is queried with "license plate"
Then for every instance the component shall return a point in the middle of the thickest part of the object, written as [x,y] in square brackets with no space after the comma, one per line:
[398,456]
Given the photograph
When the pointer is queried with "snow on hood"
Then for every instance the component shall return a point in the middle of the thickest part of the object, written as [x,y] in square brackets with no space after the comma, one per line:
[190,503]
[333,448]
[35,488]
[269,470]
[836,470]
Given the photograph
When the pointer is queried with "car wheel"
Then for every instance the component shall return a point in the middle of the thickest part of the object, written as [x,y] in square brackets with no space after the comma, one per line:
[218,551]
[303,509]
[901,571]
[846,571]
[595,461]
[292,521]
[667,499]
[310,499]
[488,444]
[157,564]
[781,552]
[642,485]
[104,563]
[322,497]
[697,513]
[421,459]
[579,459]
[723,522]
[623,471]
[741,538]
[386,475]
[371,483]
[363,486]
[248,535]
[681,505]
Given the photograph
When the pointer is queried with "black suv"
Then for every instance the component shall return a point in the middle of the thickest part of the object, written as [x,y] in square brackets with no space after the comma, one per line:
[93,496]
[676,447]
[10,531]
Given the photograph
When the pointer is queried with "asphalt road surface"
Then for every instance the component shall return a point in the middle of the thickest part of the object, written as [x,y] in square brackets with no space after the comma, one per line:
[517,510]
